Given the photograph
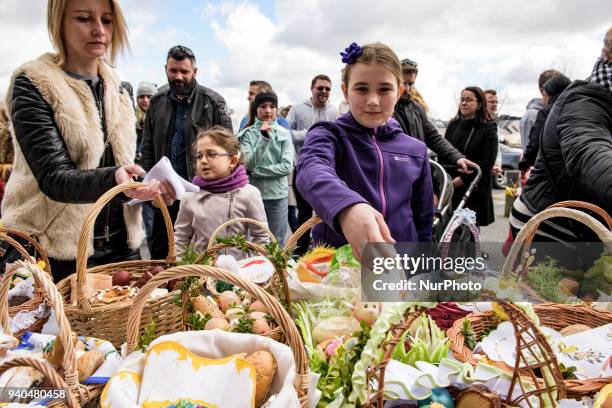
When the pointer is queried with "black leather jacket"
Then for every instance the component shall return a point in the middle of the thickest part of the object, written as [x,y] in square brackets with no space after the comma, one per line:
[575,155]
[413,120]
[45,152]
[206,108]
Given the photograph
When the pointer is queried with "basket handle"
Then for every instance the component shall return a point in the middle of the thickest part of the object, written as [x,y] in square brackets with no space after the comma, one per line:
[527,233]
[279,314]
[37,247]
[55,299]
[264,227]
[47,370]
[521,324]
[305,227]
[447,237]
[586,206]
[88,225]
[4,236]
[15,244]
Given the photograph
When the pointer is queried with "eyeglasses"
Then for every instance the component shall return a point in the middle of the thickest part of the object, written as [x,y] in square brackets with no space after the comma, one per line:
[467,100]
[212,155]
[323,88]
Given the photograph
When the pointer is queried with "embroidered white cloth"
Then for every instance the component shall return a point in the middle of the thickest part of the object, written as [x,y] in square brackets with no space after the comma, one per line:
[197,378]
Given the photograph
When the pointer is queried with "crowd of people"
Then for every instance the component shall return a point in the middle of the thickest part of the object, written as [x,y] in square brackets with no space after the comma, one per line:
[363,168]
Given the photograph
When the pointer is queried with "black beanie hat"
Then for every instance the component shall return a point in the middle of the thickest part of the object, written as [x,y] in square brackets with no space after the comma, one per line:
[268,96]
[555,85]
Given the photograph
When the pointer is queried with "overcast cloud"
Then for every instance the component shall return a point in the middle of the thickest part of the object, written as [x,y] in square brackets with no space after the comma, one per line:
[493,44]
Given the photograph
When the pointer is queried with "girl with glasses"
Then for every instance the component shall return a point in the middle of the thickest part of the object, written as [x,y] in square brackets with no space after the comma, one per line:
[225,194]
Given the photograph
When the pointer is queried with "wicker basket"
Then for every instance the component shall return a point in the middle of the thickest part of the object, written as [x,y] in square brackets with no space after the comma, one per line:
[375,399]
[528,339]
[213,249]
[583,205]
[553,315]
[526,235]
[289,330]
[107,321]
[305,227]
[79,393]
[34,303]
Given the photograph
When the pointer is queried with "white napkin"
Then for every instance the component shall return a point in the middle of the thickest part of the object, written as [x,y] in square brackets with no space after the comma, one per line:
[163,171]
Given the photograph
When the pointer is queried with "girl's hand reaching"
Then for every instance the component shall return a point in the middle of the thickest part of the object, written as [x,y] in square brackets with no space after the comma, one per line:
[125,174]
[361,224]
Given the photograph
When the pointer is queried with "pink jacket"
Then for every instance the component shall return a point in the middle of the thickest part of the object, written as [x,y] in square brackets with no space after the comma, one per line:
[201,213]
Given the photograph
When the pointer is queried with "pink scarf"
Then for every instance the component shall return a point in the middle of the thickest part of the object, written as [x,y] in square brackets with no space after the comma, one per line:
[238,178]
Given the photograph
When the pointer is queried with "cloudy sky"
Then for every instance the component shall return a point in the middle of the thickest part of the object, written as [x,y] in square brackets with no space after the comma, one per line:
[493,44]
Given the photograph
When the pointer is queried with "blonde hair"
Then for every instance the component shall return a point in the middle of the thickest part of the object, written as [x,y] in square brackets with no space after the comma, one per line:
[416,96]
[379,53]
[606,51]
[56,11]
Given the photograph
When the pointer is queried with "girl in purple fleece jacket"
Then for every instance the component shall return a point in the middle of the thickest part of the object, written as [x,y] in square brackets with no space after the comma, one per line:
[364,177]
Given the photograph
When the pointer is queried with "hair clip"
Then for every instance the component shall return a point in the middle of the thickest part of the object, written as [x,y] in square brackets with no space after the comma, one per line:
[351,53]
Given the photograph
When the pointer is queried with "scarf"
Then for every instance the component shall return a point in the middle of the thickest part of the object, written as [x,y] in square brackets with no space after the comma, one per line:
[602,73]
[238,178]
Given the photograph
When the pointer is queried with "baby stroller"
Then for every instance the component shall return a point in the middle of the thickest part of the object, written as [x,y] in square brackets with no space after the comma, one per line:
[450,225]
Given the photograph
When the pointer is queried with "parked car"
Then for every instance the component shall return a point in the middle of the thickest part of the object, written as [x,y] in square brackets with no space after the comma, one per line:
[510,157]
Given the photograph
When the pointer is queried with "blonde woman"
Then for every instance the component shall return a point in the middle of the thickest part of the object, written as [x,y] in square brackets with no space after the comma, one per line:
[74,128]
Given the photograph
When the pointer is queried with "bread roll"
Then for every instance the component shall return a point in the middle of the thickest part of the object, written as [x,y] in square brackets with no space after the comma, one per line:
[573,329]
[265,367]
[56,355]
[88,363]
[206,306]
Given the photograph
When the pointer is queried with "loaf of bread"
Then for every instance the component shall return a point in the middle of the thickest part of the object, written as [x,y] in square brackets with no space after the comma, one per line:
[477,396]
[573,329]
[56,354]
[88,363]
[265,368]
[7,343]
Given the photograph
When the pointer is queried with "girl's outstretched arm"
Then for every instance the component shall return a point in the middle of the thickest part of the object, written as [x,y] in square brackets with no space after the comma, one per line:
[360,224]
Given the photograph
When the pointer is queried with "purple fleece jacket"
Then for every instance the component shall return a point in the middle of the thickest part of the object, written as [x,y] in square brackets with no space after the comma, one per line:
[344,163]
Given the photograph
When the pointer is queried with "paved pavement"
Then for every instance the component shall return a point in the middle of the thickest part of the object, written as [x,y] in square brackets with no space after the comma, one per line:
[497,231]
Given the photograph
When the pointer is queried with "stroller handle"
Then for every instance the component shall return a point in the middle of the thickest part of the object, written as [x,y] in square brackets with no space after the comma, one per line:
[472,185]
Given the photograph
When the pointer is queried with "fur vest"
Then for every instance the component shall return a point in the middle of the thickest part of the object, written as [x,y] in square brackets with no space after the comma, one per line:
[58,225]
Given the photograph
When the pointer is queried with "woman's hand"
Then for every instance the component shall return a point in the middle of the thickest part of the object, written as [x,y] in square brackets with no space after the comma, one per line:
[167,192]
[125,174]
[361,224]
[464,165]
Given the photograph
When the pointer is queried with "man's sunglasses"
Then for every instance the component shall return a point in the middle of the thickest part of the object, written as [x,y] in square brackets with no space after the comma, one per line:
[323,88]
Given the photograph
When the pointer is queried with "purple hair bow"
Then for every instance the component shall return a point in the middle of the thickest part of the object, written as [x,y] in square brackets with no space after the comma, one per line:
[351,53]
